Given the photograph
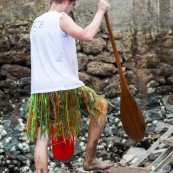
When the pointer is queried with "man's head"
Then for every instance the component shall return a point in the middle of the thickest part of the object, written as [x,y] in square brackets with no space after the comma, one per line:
[60,1]
[62,5]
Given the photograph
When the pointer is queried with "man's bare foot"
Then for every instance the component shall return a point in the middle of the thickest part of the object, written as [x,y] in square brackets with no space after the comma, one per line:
[96,164]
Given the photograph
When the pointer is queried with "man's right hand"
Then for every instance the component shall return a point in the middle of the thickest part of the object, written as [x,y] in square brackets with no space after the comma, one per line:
[103,6]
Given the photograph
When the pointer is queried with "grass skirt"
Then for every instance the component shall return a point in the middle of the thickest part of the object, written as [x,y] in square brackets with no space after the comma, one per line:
[63,110]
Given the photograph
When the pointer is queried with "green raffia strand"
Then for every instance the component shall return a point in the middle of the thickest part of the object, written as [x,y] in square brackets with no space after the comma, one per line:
[40,106]
[62,109]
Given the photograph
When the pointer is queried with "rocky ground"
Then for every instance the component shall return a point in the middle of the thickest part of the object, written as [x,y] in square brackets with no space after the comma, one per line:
[16,152]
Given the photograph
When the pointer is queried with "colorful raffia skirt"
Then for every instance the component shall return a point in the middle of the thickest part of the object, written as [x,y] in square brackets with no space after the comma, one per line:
[63,110]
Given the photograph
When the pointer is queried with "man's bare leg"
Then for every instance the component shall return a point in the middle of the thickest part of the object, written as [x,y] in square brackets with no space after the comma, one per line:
[91,162]
[41,154]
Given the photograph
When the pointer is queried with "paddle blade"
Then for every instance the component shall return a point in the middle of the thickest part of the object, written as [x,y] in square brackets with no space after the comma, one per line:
[131,116]
[62,150]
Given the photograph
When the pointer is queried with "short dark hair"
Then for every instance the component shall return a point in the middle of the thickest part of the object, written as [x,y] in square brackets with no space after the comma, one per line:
[60,1]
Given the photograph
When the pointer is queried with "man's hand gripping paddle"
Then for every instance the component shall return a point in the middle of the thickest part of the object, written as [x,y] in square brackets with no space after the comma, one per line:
[130,113]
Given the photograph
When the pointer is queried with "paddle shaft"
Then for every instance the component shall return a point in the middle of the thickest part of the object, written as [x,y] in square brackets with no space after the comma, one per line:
[115,50]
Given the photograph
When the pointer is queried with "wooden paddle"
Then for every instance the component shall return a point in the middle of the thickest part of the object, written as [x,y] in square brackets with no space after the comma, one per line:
[62,151]
[130,113]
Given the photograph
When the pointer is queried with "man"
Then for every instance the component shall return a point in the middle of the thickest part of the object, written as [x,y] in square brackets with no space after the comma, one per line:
[56,91]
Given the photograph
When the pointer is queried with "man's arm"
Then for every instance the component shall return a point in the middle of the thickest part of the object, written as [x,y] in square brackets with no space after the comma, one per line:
[88,33]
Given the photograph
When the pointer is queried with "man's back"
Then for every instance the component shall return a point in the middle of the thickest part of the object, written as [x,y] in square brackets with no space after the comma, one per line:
[53,56]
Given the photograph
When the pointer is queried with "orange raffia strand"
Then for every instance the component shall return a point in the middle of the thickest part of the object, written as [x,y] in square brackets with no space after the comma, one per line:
[62,129]
[56,113]
[87,105]
[41,95]
[49,112]
[34,114]
[66,108]
[70,112]
[29,123]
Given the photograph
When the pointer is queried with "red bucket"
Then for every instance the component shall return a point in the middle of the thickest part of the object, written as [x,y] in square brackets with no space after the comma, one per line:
[62,150]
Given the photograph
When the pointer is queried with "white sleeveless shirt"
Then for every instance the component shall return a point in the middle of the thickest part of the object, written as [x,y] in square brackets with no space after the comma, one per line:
[54,63]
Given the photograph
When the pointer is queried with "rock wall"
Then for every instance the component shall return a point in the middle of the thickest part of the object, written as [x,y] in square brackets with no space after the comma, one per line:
[143,33]
[144,38]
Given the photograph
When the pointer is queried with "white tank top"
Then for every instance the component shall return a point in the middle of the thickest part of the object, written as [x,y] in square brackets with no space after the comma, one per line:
[54,63]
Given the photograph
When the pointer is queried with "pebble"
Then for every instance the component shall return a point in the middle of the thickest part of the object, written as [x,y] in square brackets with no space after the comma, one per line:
[8,140]
[155,121]
[25,169]
[120,124]
[20,145]
[3,133]
[100,147]
[117,120]
[83,148]
[151,90]
[21,109]
[53,164]
[80,159]
[123,141]
[28,163]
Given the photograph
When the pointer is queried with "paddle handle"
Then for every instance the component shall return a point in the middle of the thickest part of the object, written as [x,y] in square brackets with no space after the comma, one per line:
[115,49]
